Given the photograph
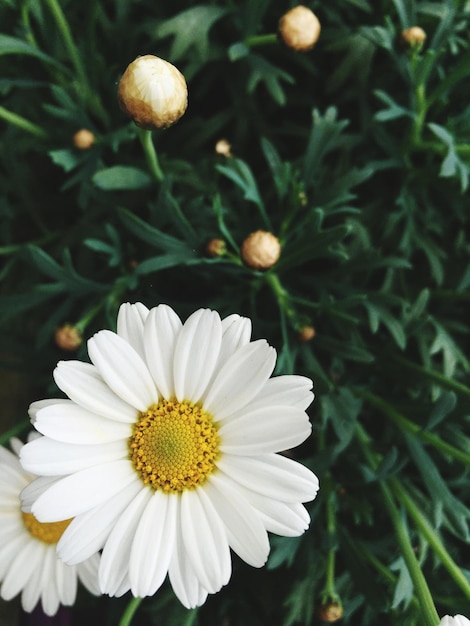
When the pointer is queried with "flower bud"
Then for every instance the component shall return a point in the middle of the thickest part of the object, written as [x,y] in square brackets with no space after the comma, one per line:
[152,92]
[414,37]
[261,250]
[223,148]
[68,337]
[83,139]
[330,612]
[216,247]
[299,28]
[307,333]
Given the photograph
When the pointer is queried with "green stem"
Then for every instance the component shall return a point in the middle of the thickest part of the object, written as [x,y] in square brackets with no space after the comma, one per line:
[442,380]
[428,610]
[431,536]
[329,591]
[409,426]
[66,34]
[13,432]
[151,157]
[261,40]
[21,122]
[130,611]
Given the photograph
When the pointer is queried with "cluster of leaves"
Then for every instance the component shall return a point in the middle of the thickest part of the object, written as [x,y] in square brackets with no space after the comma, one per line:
[356,155]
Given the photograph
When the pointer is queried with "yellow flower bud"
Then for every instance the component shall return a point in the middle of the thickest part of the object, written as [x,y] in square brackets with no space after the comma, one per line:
[152,92]
[414,37]
[299,28]
[216,247]
[68,337]
[223,148]
[330,612]
[83,139]
[307,333]
[261,250]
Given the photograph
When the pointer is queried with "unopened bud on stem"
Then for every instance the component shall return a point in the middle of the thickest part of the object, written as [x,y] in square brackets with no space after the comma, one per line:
[299,28]
[153,92]
[261,250]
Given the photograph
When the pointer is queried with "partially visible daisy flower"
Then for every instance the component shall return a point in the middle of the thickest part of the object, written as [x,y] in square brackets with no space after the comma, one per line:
[166,452]
[28,559]
[457,620]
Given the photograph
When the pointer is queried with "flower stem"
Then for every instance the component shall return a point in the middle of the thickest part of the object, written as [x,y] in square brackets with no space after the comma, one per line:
[13,432]
[431,536]
[407,425]
[429,613]
[151,157]
[21,122]
[260,40]
[130,611]
[444,381]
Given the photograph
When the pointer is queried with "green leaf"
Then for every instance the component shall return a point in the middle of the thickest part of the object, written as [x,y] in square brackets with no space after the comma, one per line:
[404,587]
[281,172]
[13,45]
[238,51]
[154,236]
[67,159]
[452,165]
[190,31]
[262,71]
[120,177]
[393,110]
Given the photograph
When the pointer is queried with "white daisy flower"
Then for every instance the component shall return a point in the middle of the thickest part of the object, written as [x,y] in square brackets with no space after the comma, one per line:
[28,559]
[165,453]
[457,620]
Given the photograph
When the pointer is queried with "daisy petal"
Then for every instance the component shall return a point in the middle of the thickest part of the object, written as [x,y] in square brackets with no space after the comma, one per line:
[196,354]
[286,390]
[21,568]
[70,423]
[66,577]
[183,580]
[47,457]
[34,407]
[148,565]
[245,531]
[281,518]
[88,532]
[272,475]
[34,489]
[130,325]
[122,369]
[49,596]
[33,588]
[205,540]
[82,491]
[161,331]
[115,558]
[236,332]
[83,384]
[88,574]
[267,429]
[240,379]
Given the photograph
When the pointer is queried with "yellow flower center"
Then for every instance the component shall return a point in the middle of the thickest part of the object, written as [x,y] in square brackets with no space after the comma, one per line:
[174,446]
[49,532]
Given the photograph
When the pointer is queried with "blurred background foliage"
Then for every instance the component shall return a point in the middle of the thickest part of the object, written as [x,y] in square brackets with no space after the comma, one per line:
[356,155]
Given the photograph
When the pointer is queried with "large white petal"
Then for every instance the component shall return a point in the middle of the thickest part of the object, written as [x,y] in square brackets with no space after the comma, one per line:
[240,379]
[287,390]
[66,577]
[70,423]
[80,492]
[46,457]
[267,429]
[122,369]
[84,385]
[236,332]
[161,331]
[153,544]
[272,475]
[246,533]
[88,532]
[282,518]
[8,551]
[115,558]
[130,325]
[34,489]
[33,588]
[183,579]
[205,540]
[196,354]
[36,406]
[49,596]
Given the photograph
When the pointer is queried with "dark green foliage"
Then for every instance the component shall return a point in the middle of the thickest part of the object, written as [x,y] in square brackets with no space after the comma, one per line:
[356,155]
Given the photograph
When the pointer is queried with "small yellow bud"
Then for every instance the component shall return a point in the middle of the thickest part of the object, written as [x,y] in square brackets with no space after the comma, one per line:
[152,92]
[68,337]
[330,612]
[83,139]
[223,148]
[299,28]
[216,247]
[414,37]
[303,200]
[307,333]
[261,250]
